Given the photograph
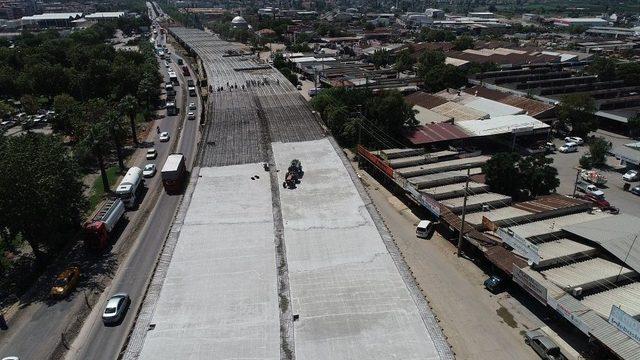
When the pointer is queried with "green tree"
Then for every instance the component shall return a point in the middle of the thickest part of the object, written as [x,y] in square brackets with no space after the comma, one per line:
[576,111]
[521,177]
[634,125]
[43,195]
[96,141]
[404,61]
[5,109]
[442,77]
[598,148]
[463,43]
[604,67]
[66,108]
[29,104]
[279,61]
[113,120]
[129,106]
[629,72]
[380,58]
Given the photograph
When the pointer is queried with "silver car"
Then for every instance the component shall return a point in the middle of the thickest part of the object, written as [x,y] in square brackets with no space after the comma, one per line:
[116,308]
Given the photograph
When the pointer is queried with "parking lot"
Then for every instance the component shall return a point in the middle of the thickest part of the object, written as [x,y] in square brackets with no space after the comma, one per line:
[567,169]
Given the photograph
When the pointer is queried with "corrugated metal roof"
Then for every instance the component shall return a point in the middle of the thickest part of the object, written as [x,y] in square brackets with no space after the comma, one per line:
[587,274]
[493,108]
[626,297]
[492,199]
[499,214]
[532,107]
[459,112]
[504,259]
[536,231]
[478,90]
[423,99]
[453,190]
[443,166]
[426,116]
[616,234]
[547,203]
[441,178]
[620,343]
[501,125]
[566,249]
[432,133]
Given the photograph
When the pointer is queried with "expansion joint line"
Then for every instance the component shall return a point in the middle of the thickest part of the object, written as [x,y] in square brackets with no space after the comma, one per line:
[287,345]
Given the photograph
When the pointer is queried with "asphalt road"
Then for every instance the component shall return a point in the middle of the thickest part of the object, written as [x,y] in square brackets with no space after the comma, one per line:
[97,341]
[36,329]
[566,164]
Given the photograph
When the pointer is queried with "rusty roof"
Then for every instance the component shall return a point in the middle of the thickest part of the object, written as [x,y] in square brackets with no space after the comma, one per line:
[484,92]
[432,133]
[531,106]
[424,99]
[550,203]
[504,259]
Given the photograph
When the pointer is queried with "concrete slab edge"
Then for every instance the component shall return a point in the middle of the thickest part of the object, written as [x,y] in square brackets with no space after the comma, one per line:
[135,341]
[431,323]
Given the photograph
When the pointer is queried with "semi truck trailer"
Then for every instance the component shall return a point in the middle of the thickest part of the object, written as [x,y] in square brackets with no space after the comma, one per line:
[173,173]
[98,229]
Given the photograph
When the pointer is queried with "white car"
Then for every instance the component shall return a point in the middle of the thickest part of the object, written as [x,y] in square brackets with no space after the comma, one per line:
[116,308]
[568,147]
[166,64]
[149,170]
[164,136]
[631,175]
[574,139]
[151,154]
[191,115]
[192,106]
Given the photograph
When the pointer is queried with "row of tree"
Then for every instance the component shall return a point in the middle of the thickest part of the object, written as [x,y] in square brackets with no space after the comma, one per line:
[380,116]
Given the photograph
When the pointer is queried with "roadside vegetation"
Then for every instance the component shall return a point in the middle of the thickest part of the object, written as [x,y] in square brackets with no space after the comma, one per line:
[94,98]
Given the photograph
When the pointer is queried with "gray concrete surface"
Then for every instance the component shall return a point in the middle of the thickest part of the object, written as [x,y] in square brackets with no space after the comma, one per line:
[351,301]
[219,298]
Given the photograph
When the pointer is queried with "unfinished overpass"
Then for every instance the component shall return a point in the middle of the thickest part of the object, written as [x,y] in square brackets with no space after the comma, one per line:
[255,271]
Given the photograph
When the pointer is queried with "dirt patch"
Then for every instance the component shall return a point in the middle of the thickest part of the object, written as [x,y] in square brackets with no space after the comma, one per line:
[507,317]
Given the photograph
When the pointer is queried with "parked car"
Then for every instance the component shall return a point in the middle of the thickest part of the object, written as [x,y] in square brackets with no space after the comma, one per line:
[635,190]
[574,139]
[151,154]
[191,115]
[192,106]
[600,203]
[116,308]
[164,136]
[299,87]
[65,282]
[568,147]
[495,284]
[589,189]
[543,345]
[631,175]
[149,170]
[425,229]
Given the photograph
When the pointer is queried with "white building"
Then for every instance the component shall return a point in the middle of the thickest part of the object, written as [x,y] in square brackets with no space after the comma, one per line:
[586,22]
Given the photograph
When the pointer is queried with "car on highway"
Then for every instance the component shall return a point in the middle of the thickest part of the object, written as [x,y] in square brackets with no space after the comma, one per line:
[65,282]
[192,106]
[635,190]
[543,345]
[149,170]
[631,175]
[568,147]
[116,308]
[164,136]
[574,139]
[151,154]
[191,115]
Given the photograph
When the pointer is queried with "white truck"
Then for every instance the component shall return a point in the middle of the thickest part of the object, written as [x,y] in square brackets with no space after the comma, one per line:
[128,189]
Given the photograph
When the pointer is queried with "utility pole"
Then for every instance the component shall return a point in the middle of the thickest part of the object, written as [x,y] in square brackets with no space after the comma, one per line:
[575,184]
[464,211]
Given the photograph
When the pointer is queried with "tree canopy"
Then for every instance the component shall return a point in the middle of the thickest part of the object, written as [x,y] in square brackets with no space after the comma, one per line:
[436,74]
[576,112]
[41,196]
[382,116]
[521,177]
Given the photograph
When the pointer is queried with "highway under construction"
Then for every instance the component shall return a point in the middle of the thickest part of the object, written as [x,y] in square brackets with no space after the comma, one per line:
[255,270]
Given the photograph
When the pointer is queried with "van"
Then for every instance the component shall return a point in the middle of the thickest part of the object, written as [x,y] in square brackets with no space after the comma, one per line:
[569,147]
[425,229]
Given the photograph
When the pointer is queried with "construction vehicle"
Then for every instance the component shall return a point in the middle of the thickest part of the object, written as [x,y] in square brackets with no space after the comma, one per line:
[593,177]
[173,173]
[98,229]
[293,175]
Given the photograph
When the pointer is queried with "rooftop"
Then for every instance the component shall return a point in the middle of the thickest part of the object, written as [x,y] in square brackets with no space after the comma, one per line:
[432,133]
[588,274]
[626,297]
[543,229]
[503,125]
[459,112]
